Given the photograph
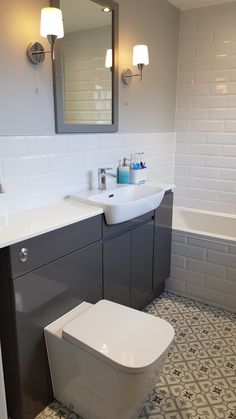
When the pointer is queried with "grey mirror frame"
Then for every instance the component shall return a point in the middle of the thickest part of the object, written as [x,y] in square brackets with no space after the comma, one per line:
[60,125]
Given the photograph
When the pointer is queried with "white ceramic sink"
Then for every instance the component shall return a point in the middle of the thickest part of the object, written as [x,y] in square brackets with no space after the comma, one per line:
[123,202]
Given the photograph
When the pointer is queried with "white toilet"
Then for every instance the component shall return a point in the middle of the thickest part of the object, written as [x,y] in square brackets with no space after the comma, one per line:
[105,358]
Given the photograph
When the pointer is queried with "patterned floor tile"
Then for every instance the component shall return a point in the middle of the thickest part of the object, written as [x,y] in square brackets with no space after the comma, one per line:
[198,380]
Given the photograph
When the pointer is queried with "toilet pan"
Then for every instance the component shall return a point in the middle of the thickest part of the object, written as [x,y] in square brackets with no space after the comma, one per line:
[105,358]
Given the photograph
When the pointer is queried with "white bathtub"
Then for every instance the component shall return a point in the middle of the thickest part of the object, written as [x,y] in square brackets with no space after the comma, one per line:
[203,263]
[209,224]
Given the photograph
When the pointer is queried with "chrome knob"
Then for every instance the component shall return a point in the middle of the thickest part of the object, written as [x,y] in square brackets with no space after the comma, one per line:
[23,255]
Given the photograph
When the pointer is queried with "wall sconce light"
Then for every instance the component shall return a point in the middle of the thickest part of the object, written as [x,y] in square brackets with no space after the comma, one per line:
[108,60]
[51,27]
[140,58]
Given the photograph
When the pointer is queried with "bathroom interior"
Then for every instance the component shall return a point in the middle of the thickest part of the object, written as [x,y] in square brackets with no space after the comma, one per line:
[174,259]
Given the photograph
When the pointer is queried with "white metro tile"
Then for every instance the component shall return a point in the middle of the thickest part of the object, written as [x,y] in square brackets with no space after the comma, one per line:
[217,206]
[219,89]
[189,40]
[229,150]
[221,63]
[232,75]
[79,142]
[187,202]
[12,146]
[212,50]
[16,185]
[216,22]
[68,161]
[202,194]
[180,160]
[204,172]
[24,166]
[186,77]
[48,182]
[189,182]
[183,126]
[232,249]
[192,114]
[220,162]
[228,174]
[187,26]
[46,145]
[224,36]
[221,138]
[207,126]
[186,54]
[228,197]
[205,149]
[110,140]
[190,137]
[231,101]
[231,274]
[222,114]
[184,102]
[230,126]
[198,89]
[182,148]
[209,101]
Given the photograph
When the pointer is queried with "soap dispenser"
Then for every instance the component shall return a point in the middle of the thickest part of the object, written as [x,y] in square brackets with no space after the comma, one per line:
[123,169]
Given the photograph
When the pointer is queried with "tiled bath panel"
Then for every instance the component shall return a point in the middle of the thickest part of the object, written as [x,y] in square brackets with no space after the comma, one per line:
[198,380]
[203,269]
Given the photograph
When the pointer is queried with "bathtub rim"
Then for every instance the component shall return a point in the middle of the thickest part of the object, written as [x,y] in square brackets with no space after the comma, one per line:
[220,238]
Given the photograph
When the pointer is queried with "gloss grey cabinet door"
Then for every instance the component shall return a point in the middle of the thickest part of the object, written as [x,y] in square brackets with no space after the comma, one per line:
[142,265]
[116,269]
[42,296]
[162,243]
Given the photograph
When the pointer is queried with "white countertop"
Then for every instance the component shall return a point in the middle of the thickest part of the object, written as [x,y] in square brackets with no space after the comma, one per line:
[33,222]
[23,225]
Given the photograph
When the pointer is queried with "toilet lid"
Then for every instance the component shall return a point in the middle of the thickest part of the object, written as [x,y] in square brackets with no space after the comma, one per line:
[129,339]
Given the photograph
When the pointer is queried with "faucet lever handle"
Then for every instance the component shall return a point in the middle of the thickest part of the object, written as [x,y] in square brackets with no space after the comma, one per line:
[103,169]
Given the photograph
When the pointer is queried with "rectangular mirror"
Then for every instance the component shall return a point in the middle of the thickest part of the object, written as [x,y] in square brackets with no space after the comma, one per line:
[85,71]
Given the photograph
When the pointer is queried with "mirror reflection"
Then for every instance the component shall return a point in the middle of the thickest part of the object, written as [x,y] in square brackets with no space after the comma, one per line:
[87,82]
[85,70]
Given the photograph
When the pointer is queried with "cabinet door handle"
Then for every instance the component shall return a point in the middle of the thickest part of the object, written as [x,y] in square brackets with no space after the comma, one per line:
[23,255]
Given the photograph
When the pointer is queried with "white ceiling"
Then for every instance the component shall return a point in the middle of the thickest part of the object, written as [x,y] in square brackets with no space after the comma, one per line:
[193,4]
[83,14]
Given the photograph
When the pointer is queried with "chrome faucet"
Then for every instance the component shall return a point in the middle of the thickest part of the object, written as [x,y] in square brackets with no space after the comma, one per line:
[102,175]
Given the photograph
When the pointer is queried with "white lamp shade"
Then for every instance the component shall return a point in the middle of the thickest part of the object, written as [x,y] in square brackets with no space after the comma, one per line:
[51,22]
[140,55]
[108,61]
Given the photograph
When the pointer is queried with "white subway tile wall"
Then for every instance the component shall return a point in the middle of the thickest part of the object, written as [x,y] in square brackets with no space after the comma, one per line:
[205,164]
[38,170]
[204,270]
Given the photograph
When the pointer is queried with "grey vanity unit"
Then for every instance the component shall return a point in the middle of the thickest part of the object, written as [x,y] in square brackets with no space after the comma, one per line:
[86,261]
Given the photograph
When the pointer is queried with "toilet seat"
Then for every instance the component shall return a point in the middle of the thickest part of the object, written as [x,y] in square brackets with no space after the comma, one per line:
[128,339]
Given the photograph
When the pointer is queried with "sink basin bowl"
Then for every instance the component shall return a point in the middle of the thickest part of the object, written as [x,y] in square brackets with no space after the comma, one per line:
[123,202]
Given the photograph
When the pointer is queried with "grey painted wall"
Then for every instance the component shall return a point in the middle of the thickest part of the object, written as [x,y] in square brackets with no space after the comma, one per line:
[26,100]
[149,106]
